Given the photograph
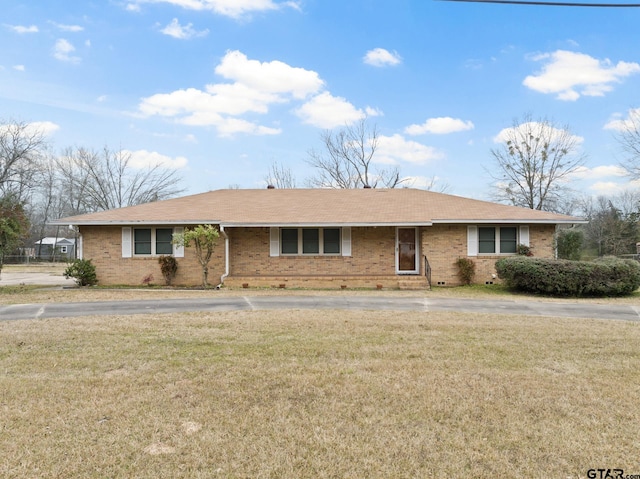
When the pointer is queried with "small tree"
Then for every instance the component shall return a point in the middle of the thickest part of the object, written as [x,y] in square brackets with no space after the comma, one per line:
[14,226]
[569,244]
[204,238]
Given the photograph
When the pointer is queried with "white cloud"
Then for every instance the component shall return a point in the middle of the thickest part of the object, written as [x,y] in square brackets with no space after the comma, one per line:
[393,149]
[607,188]
[629,123]
[524,129]
[68,28]
[254,87]
[148,159]
[231,126]
[379,57]
[439,126]
[19,68]
[45,128]
[370,111]
[273,77]
[570,75]
[63,51]
[327,111]
[229,8]
[175,30]
[604,171]
[22,29]
[424,182]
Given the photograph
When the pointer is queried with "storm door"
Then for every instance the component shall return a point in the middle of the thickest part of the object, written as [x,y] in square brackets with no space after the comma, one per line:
[407,251]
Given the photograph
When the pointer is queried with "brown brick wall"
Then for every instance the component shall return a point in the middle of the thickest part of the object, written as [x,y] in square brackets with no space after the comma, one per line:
[103,245]
[444,244]
[372,253]
[372,261]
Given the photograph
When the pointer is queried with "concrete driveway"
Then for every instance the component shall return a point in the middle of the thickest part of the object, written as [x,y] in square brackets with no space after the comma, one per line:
[10,278]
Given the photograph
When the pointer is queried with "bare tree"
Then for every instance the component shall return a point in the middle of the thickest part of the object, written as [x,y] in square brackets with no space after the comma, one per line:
[346,159]
[21,146]
[628,136]
[280,176]
[533,163]
[106,180]
[48,201]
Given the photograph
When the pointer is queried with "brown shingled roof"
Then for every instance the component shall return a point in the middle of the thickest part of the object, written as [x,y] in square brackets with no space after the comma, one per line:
[271,207]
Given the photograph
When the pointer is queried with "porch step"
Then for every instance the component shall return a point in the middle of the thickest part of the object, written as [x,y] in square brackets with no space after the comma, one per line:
[413,283]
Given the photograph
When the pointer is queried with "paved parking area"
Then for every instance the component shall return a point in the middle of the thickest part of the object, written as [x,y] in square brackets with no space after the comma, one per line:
[43,278]
[361,303]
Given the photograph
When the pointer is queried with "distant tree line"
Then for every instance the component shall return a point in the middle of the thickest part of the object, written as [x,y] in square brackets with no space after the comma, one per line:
[40,186]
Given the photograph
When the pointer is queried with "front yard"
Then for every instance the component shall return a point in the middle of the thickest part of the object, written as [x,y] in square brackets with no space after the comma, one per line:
[318,394]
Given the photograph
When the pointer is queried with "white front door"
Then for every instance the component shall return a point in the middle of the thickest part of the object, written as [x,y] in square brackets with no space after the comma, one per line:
[407,251]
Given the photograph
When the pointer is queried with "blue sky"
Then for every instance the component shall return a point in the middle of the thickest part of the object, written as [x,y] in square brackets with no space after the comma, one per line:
[221,89]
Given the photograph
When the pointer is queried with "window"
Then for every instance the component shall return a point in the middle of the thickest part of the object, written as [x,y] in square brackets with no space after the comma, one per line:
[63,249]
[486,240]
[311,241]
[508,240]
[164,237]
[152,241]
[289,241]
[331,240]
[142,241]
[497,240]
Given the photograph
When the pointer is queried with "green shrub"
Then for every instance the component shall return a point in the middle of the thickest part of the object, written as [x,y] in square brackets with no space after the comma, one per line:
[569,244]
[466,270]
[604,277]
[168,267]
[82,271]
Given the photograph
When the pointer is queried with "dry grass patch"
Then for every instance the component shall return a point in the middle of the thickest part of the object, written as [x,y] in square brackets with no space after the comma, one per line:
[318,394]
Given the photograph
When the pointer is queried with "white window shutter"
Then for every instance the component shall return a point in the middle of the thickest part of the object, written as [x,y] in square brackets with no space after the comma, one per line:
[126,242]
[346,241]
[79,247]
[178,250]
[472,241]
[274,241]
[524,235]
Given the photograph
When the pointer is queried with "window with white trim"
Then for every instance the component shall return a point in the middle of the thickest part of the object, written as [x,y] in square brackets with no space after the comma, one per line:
[310,241]
[152,241]
[497,239]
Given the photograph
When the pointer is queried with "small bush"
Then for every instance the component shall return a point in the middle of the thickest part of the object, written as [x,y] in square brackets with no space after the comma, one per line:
[169,268]
[524,250]
[82,271]
[603,277]
[466,270]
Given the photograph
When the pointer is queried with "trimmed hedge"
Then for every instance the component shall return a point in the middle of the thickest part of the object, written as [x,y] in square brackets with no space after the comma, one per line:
[607,276]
